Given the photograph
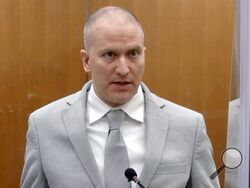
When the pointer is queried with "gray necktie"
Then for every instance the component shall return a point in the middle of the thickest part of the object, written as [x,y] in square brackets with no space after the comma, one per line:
[116,155]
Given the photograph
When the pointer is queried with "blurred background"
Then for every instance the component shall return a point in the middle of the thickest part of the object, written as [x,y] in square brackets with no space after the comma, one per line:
[188,61]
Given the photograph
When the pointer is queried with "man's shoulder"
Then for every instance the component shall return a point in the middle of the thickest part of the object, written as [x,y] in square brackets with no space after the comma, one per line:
[59,105]
[168,106]
[173,108]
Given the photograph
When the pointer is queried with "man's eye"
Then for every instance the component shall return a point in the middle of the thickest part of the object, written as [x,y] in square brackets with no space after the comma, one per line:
[133,53]
[109,54]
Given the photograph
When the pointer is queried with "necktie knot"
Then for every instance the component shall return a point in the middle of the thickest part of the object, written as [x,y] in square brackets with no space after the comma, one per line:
[115,118]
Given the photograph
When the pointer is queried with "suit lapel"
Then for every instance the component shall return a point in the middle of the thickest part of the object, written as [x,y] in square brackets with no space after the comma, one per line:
[157,123]
[75,123]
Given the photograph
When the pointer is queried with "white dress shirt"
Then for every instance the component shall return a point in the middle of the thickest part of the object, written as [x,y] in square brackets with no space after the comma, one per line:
[132,129]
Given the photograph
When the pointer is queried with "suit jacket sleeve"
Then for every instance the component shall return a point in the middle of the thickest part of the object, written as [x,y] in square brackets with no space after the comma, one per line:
[32,175]
[203,164]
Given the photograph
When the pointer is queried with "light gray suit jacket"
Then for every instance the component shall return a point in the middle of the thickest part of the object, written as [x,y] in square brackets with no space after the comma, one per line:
[58,153]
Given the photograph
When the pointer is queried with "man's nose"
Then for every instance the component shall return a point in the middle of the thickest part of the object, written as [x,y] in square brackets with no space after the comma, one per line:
[122,67]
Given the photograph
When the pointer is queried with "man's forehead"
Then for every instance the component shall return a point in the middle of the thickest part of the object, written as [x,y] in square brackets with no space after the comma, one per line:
[128,33]
[111,27]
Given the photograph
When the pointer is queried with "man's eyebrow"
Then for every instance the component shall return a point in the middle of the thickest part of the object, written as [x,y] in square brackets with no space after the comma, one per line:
[129,48]
[136,47]
[104,50]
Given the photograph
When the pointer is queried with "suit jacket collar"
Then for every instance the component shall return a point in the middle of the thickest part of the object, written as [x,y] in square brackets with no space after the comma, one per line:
[156,122]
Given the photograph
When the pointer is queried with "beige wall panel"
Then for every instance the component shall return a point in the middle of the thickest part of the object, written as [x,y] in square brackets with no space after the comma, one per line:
[40,43]
[187,61]
[189,49]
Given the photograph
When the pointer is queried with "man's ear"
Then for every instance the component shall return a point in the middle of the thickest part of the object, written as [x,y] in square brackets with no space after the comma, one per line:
[85,60]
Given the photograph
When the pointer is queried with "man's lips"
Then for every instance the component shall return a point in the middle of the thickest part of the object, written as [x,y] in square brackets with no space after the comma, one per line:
[121,82]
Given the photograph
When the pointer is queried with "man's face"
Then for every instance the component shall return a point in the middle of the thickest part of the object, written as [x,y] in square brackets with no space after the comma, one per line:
[115,59]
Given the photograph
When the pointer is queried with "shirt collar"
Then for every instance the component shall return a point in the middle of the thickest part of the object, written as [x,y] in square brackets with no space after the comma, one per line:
[133,108]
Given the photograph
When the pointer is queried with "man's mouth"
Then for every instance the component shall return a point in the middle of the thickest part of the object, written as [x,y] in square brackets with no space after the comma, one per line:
[121,83]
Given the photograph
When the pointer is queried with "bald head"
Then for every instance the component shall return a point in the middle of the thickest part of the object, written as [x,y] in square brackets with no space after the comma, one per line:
[109,15]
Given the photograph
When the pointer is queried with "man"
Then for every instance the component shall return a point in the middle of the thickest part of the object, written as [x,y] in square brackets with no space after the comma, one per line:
[68,140]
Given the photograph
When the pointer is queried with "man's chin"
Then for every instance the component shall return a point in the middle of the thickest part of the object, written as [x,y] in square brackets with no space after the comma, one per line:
[120,100]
